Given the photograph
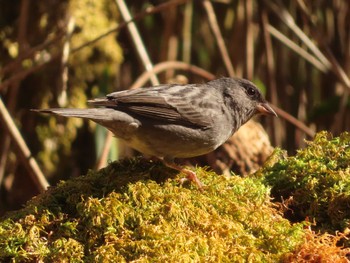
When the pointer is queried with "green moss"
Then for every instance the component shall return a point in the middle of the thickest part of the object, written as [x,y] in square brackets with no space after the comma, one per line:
[136,210]
[316,181]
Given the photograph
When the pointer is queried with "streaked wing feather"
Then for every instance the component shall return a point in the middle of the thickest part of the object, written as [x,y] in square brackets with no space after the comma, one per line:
[155,103]
[158,113]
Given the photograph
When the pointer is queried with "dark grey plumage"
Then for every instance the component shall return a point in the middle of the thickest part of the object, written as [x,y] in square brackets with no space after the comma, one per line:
[176,121]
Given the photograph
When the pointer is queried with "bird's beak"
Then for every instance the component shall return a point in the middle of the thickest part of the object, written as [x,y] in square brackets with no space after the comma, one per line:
[265,108]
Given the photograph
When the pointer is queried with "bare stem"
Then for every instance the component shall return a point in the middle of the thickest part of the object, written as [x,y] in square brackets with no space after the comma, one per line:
[135,35]
[23,150]
[218,36]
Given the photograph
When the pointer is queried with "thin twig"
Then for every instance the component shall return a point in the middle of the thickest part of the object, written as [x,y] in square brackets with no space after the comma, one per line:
[23,150]
[136,38]
[218,36]
[29,53]
[337,69]
[62,94]
[105,150]
[249,39]
[297,49]
[137,17]
[24,73]
[176,65]
[300,125]
[287,18]
[170,48]
[271,75]
[187,32]
[13,91]
[4,148]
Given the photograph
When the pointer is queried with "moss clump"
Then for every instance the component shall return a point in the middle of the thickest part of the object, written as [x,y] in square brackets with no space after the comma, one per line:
[319,248]
[316,181]
[129,211]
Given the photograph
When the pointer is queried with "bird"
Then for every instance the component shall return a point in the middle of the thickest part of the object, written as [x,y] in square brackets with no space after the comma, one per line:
[171,121]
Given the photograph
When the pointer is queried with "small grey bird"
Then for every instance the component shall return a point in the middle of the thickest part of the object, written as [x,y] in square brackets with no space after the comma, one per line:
[176,121]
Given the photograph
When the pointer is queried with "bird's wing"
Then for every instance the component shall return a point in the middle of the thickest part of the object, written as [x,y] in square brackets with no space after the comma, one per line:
[165,102]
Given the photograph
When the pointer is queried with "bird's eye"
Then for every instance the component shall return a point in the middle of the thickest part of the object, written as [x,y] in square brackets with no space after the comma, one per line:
[251,92]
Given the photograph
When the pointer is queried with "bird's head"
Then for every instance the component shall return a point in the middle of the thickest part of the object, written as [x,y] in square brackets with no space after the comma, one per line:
[244,99]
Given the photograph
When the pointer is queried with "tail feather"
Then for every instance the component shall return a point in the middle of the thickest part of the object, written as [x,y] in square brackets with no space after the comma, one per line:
[92,114]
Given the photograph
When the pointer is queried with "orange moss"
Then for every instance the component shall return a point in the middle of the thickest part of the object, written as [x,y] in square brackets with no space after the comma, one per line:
[320,248]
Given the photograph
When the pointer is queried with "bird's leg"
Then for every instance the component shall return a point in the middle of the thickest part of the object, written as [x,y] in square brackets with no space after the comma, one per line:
[190,175]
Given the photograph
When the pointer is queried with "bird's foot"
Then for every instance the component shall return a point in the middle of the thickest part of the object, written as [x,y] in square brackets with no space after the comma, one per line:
[191,176]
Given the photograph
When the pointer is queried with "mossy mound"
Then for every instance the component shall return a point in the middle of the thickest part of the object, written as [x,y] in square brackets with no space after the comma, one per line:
[135,210]
[315,183]
[129,212]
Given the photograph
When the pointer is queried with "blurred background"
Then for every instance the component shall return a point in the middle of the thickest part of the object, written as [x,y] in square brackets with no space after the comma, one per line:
[59,53]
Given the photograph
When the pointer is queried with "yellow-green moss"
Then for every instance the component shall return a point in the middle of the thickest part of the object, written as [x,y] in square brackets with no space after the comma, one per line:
[316,181]
[136,210]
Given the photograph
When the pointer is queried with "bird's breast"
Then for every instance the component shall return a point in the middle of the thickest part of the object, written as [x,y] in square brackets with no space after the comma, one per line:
[177,141]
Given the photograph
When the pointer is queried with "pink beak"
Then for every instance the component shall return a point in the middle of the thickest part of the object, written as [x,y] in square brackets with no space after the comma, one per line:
[265,109]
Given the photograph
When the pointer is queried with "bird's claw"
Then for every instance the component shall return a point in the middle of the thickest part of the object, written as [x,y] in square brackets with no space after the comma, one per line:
[191,176]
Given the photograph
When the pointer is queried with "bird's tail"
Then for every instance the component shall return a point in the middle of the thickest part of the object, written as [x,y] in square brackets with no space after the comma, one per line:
[97,114]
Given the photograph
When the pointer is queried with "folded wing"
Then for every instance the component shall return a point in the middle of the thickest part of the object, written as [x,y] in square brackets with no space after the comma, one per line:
[164,103]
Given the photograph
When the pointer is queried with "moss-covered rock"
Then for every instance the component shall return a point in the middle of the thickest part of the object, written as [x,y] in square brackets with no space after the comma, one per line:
[136,210]
[128,211]
[315,182]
